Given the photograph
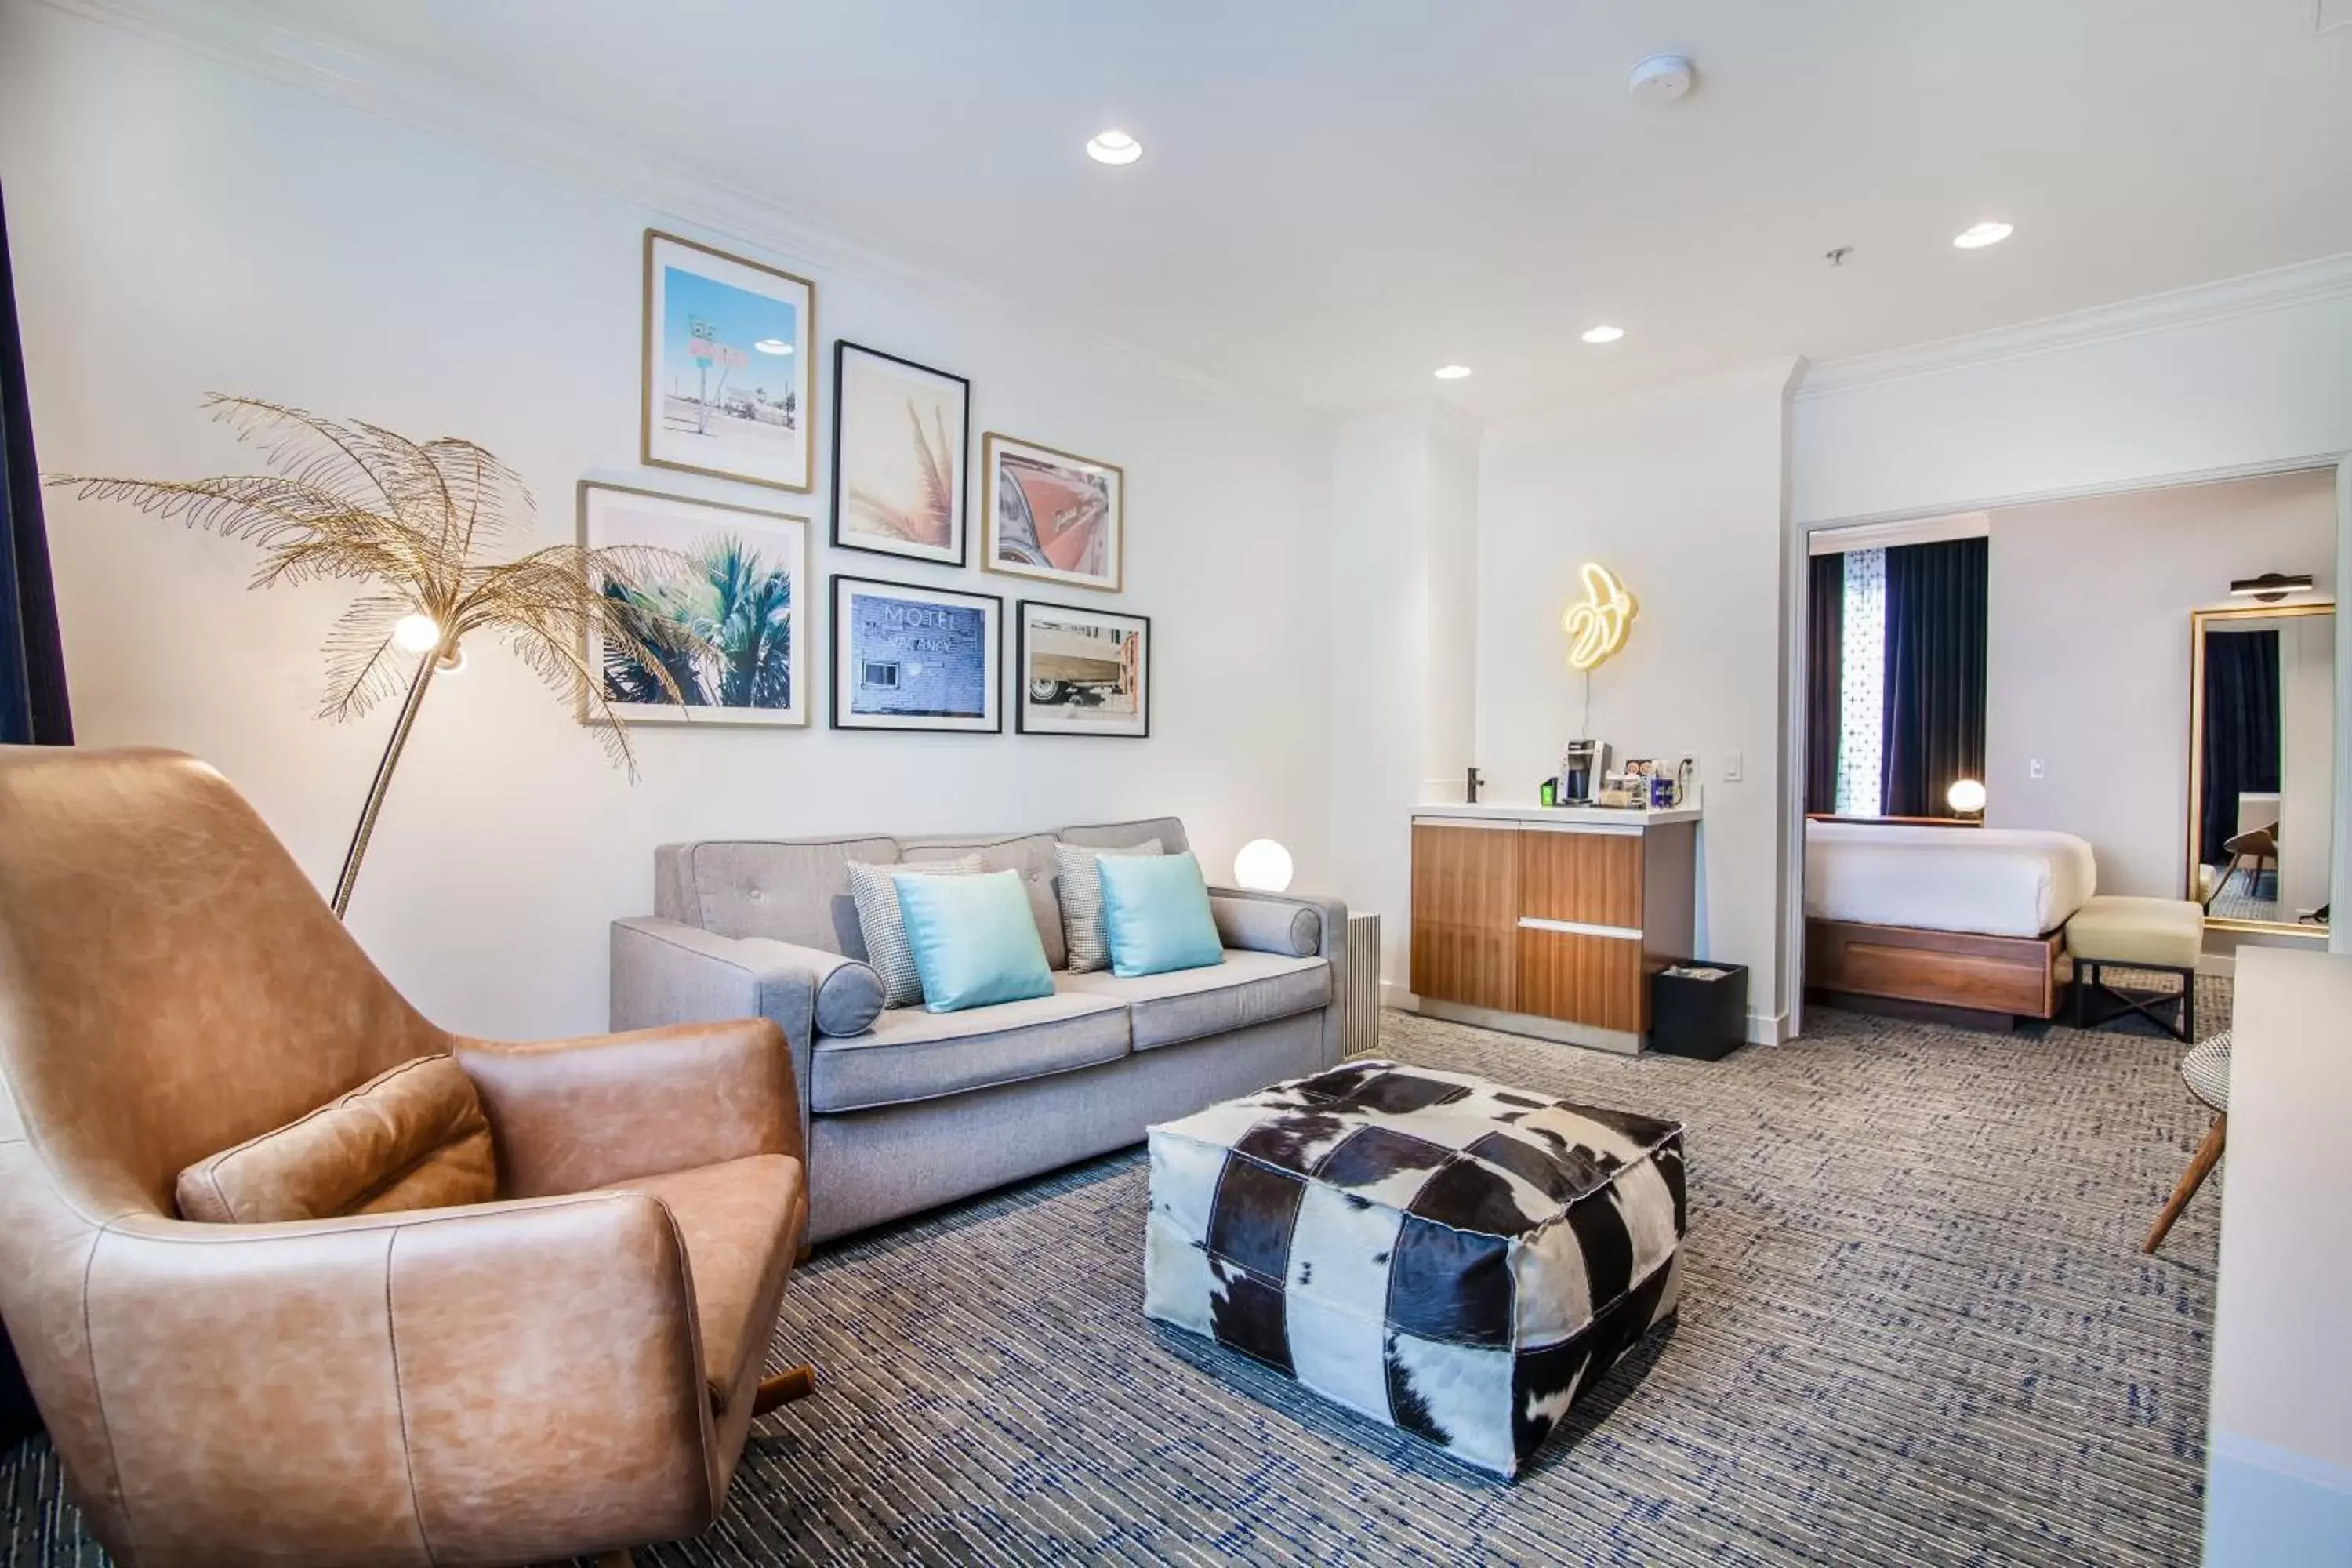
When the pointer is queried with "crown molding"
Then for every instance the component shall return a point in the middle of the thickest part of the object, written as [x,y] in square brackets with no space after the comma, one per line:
[232,33]
[2255,293]
[1775,376]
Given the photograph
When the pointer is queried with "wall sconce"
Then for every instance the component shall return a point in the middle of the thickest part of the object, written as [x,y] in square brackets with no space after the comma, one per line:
[1597,625]
[2270,586]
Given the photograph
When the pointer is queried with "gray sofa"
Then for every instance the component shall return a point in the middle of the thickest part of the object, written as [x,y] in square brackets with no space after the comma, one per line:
[919,1109]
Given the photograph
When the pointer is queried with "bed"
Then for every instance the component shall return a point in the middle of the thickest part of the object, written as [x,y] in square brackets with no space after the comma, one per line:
[1955,918]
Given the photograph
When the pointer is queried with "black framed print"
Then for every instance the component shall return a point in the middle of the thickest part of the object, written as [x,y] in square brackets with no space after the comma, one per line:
[1081,672]
[901,456]
[911,657]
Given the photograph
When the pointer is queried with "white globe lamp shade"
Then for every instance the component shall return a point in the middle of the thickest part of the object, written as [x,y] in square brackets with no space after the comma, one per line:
[1966,796]
[1263,865]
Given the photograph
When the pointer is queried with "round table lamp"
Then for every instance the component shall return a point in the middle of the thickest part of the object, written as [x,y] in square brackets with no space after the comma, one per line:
[1263,865]
[1966,796]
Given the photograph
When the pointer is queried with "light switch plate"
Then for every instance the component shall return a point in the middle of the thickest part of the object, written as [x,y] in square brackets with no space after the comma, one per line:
[2034,768]
[1732,767]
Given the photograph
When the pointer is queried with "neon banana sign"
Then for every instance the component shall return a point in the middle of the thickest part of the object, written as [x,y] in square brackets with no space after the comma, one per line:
[1597,625]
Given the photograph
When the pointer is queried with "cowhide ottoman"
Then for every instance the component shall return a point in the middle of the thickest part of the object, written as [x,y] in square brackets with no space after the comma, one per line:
[1456,1259]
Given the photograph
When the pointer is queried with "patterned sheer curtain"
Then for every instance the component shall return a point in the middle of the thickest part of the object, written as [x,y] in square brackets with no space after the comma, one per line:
[1863,707]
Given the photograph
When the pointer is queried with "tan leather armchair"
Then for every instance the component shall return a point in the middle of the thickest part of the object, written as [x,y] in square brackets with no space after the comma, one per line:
[569,1369]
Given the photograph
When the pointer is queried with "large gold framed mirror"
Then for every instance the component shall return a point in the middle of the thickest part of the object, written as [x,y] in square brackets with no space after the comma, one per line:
[2261,766]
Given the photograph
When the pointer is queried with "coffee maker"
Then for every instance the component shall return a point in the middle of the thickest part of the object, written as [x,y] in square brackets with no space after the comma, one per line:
[1581,768]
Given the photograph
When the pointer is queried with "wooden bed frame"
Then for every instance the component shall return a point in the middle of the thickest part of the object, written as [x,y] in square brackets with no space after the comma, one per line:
[1985,980]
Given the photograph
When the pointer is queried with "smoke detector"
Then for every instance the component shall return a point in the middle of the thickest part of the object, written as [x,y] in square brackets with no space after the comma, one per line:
[1660,78]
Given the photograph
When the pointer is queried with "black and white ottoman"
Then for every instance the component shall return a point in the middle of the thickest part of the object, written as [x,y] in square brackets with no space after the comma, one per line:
[1456,1259]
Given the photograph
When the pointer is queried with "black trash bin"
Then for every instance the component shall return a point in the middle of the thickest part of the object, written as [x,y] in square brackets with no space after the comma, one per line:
[1702,1015]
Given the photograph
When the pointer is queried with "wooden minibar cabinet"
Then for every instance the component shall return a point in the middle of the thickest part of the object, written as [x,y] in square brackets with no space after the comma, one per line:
[1550,920]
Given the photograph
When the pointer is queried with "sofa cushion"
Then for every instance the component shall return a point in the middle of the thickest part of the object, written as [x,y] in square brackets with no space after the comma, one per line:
[1030,854]
[912,1054]
[795,893]
[413,1138]
[1187,1003]
[735,1220]
[1127,835]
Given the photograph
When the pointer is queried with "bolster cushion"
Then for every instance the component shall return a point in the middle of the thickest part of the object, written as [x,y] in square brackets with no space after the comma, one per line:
[1268,925]
[849,999]
[413,1138]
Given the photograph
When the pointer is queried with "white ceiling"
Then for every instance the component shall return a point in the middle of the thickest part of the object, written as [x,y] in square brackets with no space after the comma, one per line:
[1338,196]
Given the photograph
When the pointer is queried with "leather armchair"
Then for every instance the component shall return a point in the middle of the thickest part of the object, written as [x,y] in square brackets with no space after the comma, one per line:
[569,1369]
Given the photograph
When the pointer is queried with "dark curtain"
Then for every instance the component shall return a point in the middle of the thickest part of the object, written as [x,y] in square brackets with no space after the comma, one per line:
[1824,682]
[1934,729]
[32,665]
[2241,731]
[32,662]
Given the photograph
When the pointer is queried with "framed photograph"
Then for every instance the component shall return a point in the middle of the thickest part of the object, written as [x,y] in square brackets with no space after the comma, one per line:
[743,572]
[1052,515]
[1082,672]
[728,387]
[905,657]
[901,452]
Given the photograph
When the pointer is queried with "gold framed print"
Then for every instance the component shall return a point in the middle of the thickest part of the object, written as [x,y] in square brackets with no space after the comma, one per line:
[730,386]
[1052,515]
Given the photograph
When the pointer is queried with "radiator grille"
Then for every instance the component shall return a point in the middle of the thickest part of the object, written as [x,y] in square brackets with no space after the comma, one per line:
[1361,1016]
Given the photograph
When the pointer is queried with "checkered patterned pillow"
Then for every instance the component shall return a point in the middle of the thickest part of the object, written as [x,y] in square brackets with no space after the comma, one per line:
[1456,1259]
[1082,914]
[876,889]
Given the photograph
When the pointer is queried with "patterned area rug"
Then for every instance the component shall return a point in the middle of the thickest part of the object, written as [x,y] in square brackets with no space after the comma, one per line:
[1917,1328]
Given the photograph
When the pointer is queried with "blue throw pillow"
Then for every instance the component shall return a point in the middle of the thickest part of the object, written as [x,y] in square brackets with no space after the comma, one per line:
[974,939]
[1156,913]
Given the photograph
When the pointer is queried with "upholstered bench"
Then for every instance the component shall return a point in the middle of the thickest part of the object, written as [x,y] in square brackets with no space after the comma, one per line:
[2165,934]
[1454,1259]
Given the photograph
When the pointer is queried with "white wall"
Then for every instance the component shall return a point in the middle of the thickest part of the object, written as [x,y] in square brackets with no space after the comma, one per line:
[1681,495]
[1403,584]
[180,227]
[2087,667]
[2262,378]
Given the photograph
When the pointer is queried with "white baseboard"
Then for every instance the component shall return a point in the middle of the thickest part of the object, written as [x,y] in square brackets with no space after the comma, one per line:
[1398,996]
[1767,1028]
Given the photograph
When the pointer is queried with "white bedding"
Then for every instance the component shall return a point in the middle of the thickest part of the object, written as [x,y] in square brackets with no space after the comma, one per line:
[1994,881]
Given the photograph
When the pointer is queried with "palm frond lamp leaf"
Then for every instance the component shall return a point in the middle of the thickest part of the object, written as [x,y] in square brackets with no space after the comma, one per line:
[416,520]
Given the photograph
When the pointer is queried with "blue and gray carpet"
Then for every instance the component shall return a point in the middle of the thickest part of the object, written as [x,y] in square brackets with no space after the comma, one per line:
[1917,1328]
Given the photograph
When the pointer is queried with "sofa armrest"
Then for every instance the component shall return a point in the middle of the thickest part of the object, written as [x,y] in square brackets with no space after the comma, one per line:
[665,972]
[1278,923]
[573,1115]
[463,1359]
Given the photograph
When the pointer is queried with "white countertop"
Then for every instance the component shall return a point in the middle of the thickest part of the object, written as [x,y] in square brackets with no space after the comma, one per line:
[2279,1456]
[1564,815]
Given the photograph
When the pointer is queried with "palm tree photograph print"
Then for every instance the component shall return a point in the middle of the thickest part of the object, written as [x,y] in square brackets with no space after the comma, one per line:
[733,581]
[900,444]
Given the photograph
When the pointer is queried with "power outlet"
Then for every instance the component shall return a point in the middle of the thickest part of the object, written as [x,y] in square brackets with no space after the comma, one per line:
[2033,767]
[1734,766]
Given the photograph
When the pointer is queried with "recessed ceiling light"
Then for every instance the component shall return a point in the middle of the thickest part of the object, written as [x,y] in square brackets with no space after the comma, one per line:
[1982,235]
[1604,334]
[773,346]
[1114,147]
[1452,371]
